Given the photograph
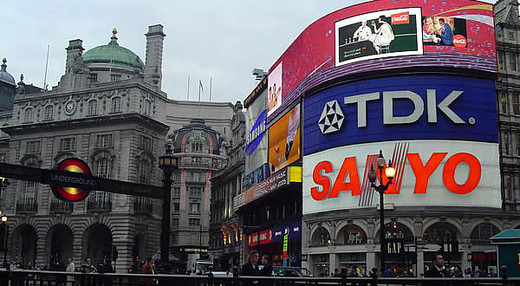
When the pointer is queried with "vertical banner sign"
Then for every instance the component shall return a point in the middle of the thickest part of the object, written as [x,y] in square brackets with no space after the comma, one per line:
[285,244]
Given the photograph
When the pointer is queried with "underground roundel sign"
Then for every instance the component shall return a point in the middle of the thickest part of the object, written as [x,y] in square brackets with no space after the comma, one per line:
[71,193]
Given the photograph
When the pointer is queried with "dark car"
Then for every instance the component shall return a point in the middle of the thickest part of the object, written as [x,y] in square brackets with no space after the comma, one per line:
[286,271]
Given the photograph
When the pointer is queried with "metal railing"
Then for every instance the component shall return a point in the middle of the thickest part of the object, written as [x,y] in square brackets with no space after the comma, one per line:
[27,206]
[60,207]
[51,278]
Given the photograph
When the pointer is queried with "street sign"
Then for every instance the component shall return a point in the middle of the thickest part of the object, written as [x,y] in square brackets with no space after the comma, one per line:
[71,165]
[78,180]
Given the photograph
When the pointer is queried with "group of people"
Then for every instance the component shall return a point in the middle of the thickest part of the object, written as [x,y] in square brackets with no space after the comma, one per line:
[383,33]
[252,267]
[88,267]
[439,269]
[441,34]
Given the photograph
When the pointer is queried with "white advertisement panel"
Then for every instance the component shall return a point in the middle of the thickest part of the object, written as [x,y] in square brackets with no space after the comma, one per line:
[428,173]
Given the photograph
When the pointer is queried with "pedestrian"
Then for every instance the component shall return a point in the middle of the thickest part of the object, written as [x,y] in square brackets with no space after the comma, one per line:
[87,267]
[436,270]
[251,268]
[148,268]
[71,267]
[107,268]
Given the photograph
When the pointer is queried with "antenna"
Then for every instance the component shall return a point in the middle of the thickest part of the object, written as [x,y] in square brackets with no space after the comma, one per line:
[210,87]
[188,93]
[46,67]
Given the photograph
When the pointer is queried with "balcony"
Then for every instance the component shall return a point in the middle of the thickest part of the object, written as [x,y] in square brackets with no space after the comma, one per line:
[60,207]
[27,206]
[143,206]
[99,205]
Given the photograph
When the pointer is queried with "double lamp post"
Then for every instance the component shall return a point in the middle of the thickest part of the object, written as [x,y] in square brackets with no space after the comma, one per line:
[168,163]
[381,188]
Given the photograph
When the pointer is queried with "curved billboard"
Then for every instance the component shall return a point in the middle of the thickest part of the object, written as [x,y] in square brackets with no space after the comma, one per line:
[391,34]
[440,133]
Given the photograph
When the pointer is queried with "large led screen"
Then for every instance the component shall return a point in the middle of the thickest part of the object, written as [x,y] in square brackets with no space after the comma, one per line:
[429,33]
[284,140]
[401,108]
[379,34]
[428,173]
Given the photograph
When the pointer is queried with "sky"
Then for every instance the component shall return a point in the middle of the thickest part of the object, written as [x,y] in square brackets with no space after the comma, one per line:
[221,40]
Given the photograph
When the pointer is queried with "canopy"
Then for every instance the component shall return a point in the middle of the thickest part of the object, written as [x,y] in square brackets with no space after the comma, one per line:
[171,257]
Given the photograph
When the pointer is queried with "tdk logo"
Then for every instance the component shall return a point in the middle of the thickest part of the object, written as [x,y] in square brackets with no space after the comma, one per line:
[331,118]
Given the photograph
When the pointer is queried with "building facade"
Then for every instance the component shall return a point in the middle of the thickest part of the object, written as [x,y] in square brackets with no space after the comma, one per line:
[109,111]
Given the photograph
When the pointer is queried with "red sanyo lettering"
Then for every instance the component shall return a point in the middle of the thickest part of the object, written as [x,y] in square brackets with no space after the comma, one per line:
[422,175]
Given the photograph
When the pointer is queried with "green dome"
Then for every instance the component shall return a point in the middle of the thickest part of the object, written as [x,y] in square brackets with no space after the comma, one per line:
[112,53]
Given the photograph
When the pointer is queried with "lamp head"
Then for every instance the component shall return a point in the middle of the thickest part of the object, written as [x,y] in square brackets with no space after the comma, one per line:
[380,160]
[372,175]
[390,170]
[168,162]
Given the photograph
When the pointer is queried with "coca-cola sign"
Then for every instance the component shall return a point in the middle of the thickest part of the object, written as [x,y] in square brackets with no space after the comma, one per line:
[401,18]
[459,41]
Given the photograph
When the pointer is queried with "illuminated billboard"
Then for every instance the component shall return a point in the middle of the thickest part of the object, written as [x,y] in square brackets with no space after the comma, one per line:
[428,173]
[333,47]
[379,34]
[439,131]
[274,87]
[284,140]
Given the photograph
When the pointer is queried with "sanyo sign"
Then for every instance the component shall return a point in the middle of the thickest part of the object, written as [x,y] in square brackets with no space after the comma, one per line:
[428,173]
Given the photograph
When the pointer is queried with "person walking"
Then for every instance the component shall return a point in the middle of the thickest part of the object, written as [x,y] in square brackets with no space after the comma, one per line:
[71,267]
[251,268]
[436,268]
[148,268]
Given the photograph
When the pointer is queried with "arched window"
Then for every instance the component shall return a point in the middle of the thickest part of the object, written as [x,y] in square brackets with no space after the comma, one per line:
[28,115]
[440,233]
[482,233]
[92,107]
[144,170]
[49,112]
[351,234]
[116,104]
[321,237]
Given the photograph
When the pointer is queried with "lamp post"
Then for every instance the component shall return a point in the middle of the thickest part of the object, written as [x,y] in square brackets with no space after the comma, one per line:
[168,163]
[4,232]
[381,188]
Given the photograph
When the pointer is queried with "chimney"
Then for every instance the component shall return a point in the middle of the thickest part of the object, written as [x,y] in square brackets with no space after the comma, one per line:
[154,51]
[74,51]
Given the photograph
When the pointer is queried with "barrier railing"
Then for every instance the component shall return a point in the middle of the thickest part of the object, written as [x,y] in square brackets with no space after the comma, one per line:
[54,278]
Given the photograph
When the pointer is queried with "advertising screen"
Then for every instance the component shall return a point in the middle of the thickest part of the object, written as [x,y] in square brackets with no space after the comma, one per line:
[401,108]
[333,47]
[428,173]
[284,140]
[379,34]
[440,133]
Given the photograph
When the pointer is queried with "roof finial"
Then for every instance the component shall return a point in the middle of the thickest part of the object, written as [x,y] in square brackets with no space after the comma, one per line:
[4,66]
[114,33]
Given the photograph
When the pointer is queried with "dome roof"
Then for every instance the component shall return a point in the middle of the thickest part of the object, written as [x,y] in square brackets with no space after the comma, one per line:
[112,53]
[5,76]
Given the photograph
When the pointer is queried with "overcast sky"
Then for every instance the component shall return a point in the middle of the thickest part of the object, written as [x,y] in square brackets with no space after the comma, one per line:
[222,39]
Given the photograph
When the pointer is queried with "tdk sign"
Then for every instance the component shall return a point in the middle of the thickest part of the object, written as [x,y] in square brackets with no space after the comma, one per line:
[401,108]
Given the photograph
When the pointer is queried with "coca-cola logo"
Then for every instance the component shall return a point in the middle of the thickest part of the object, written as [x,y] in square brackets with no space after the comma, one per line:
[401,18]
[459,41]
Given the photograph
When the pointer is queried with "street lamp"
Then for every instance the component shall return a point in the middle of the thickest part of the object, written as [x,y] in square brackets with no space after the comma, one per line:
[381,188]
[4,233]
[168,163]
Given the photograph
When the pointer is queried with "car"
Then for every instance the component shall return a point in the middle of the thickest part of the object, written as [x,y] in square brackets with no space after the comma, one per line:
[286,271]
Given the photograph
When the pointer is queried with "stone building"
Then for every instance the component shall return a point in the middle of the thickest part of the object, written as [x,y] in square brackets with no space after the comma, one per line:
[108,110]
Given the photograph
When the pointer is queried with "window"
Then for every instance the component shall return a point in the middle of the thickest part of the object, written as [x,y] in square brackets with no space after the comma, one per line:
[194,222]
[104,141]
[506,143]
[145,143]
[195,192]
[143,172]
[92,107]
[508,186]
[512,61]
[93,77]
[175,221]
[516,103]
[30,192]
[49,112]
[103,167]
[195,208]
[501,56]
[3,157]
[147,107]
[115,77]
[197,177]
[28,115]
[116,105]
[511,35]
[196,147]
[176,207]
[68,144]
[503,102]
[33,147]
[176,176]
[176,192]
